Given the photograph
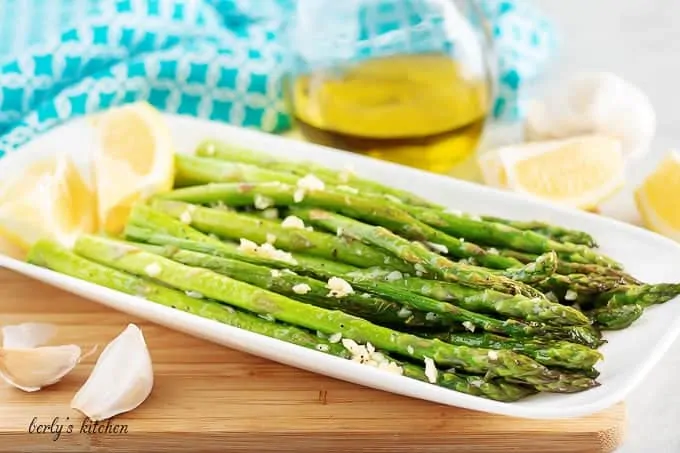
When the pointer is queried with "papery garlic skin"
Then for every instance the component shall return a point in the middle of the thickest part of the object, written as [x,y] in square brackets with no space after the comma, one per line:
[29,366]
[31,369]
[27,335]
[121,380]
[594,103]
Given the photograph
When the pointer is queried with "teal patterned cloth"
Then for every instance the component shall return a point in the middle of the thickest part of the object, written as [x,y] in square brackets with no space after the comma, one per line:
[215,59]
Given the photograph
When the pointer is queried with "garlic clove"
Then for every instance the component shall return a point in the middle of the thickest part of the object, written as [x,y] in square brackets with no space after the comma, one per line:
[27,335]
[594,103]
[30,369]
[121,380]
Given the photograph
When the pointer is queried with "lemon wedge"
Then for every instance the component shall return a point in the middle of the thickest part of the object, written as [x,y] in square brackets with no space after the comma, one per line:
[658,198]
[50,198]
[579,172]
[133,159]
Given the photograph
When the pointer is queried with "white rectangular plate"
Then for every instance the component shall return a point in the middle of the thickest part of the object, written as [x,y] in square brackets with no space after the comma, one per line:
[629,354]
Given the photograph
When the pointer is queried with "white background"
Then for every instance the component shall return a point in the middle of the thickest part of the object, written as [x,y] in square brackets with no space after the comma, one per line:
[640,41]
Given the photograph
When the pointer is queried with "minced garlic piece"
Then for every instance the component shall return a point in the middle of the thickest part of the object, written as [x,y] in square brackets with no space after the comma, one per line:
[299,195]
[265,250]
[306,184]
[185,217]
[311,183]
[247,246]
[339,287]
[367,355]
[293,222]
[440,248]
[404,312]
[429,316]
[152,270]
[571,295]
[261,202]
[431,370]
[301,288]
[346,173]
[269,251]
[469,326]
[394,276]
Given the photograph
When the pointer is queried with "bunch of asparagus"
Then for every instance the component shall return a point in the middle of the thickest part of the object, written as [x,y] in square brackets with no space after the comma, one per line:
[327,260]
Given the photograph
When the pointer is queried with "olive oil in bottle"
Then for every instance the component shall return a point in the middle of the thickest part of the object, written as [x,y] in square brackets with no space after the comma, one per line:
[419,110]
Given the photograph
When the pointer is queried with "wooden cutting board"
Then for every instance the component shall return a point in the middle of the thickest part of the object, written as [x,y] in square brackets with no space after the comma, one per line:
[210,398]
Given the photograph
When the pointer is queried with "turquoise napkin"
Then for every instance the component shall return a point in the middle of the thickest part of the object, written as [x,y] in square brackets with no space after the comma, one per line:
[214,59]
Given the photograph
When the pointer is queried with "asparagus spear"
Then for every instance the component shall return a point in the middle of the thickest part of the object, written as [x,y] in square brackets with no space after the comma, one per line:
[585,335]
[592,373]
[228,152]
[156,224]
[301,264]
[558,283]
[616,318]
[556,353]
[494,389]
[305,265]
[643,295]
[191,170]
[219,287]
[50,255]
[534,272]
[424,260]
[300,287]
[567,267]
[325,269]
[546,229]
[370,209]
[148,225]
[225,151]
[496,234]
[421,310]
[578,284]
[236,226]
[483,301]
[579,334]
[568,383]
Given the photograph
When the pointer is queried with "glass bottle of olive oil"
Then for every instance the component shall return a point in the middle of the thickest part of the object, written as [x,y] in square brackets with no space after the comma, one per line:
[424,109]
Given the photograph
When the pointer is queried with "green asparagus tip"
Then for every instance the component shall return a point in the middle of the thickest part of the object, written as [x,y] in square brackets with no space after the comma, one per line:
[616,318]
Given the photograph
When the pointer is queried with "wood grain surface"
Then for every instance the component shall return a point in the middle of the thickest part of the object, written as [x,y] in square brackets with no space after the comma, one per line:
[210,398]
